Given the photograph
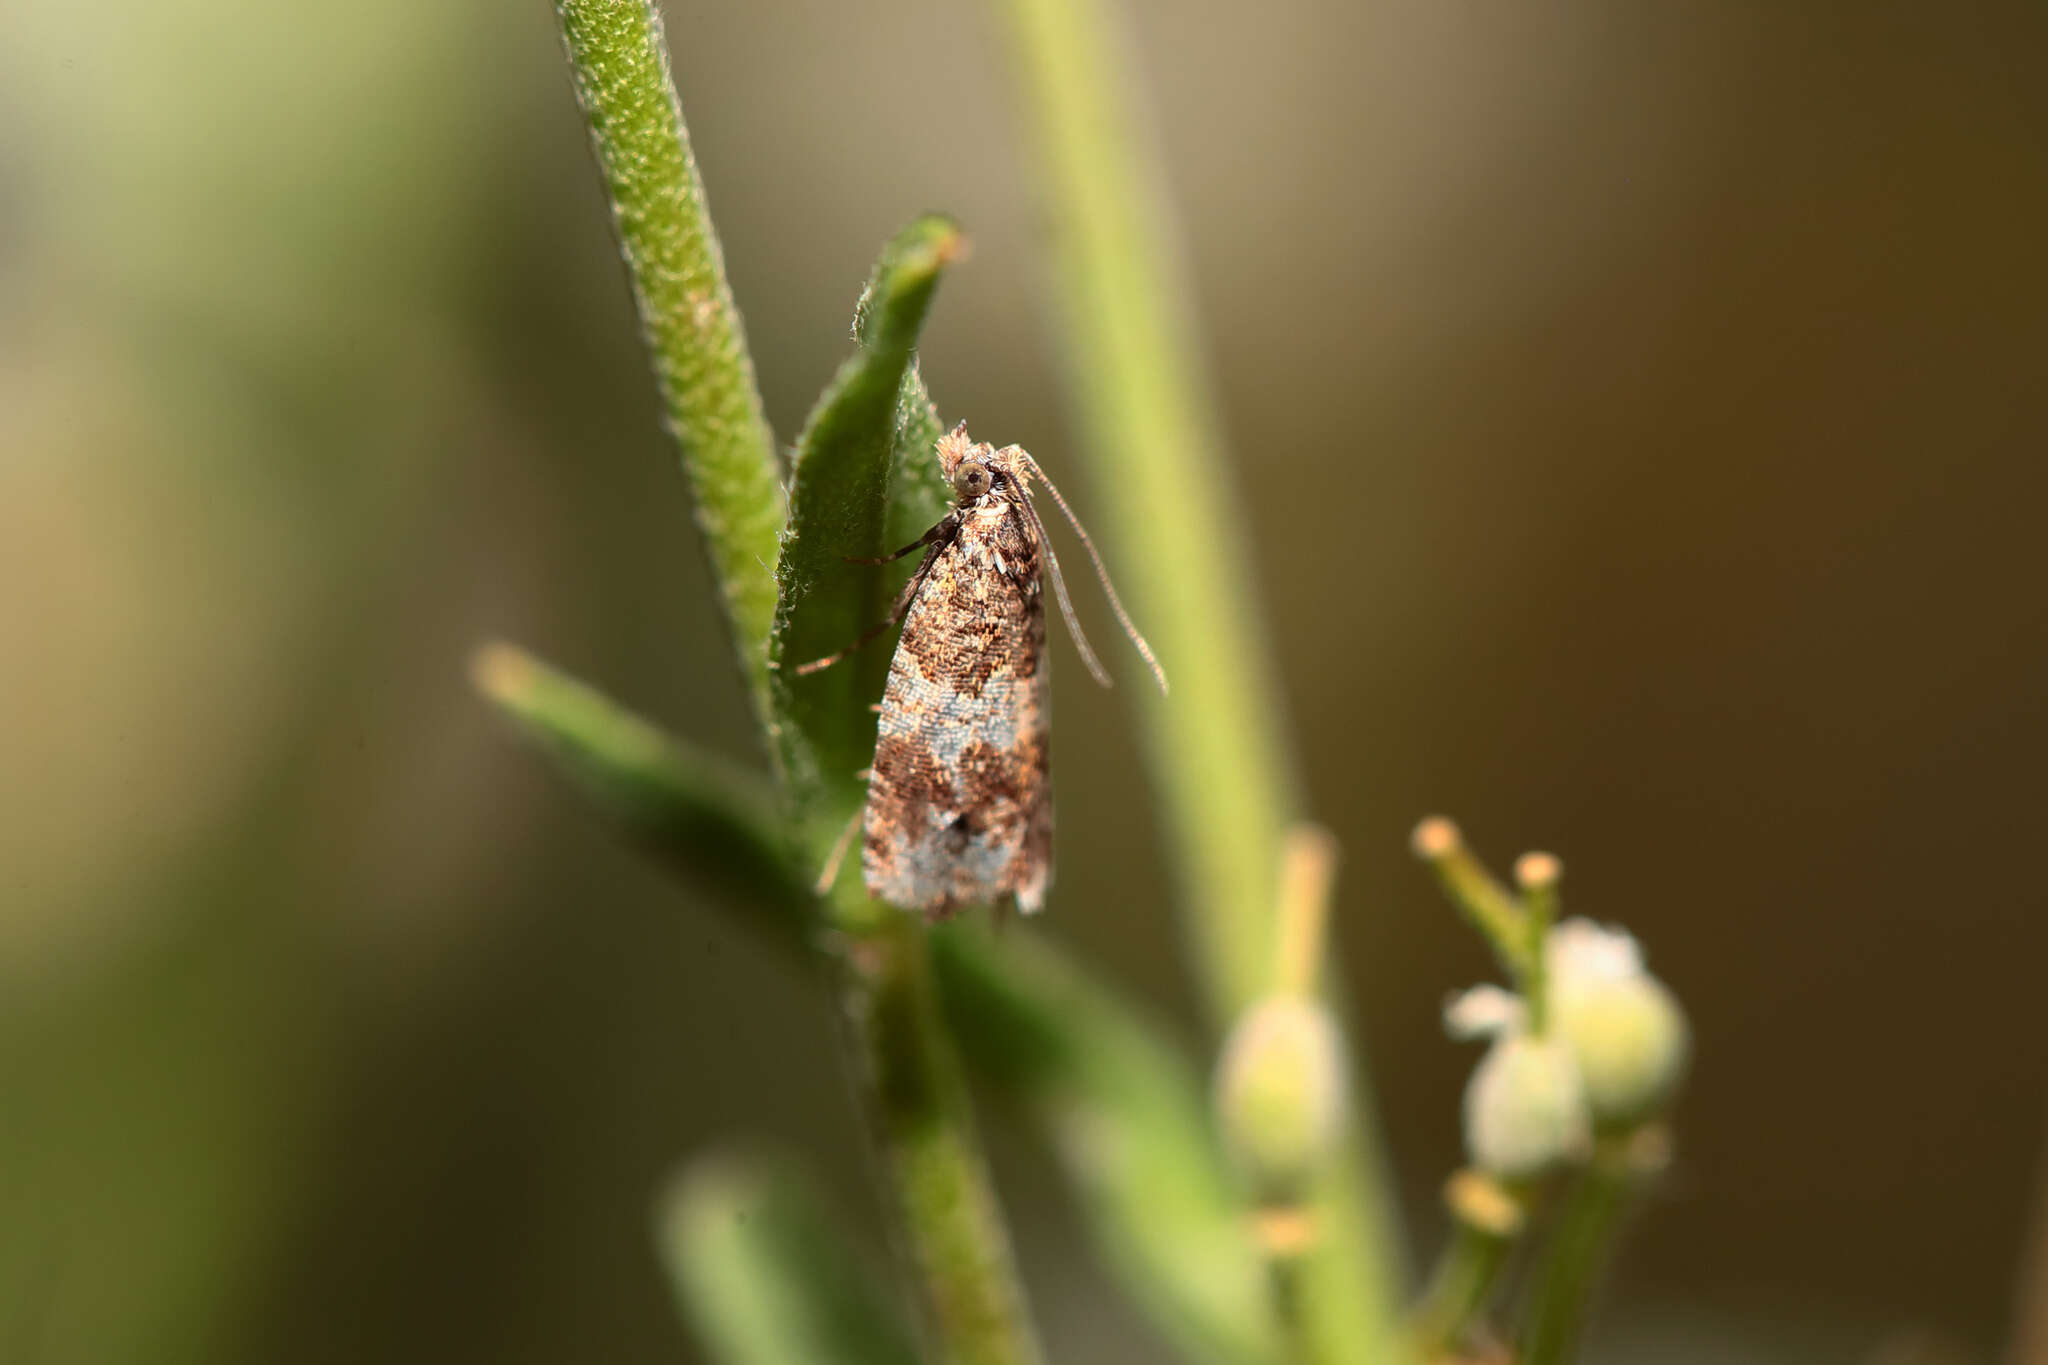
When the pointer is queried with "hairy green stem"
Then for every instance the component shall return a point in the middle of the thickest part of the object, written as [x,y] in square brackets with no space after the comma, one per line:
[621,69]
[1215,747]
[1575,1256]
[921,1113]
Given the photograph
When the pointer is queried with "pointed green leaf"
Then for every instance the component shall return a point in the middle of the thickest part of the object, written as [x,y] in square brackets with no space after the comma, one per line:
[839,509]
[918,492]
[717,825]
[766,1276]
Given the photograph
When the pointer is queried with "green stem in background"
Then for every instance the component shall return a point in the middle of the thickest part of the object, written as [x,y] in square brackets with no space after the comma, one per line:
[921,1113]
[1537,874]
[765,1276]
[1563,1283]
[1215,747]
[1164,489]
[620,64]
[1486,1218]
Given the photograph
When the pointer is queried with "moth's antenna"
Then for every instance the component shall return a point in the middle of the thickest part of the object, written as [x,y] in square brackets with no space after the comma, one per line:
[1059,588]
[1101,573]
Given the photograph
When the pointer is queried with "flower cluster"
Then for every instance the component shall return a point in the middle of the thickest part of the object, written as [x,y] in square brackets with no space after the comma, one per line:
[1610,1059]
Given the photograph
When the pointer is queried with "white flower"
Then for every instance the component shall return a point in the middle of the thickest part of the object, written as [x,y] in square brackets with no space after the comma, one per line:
[1612,1056]
[1525,1110]
[1623,1026]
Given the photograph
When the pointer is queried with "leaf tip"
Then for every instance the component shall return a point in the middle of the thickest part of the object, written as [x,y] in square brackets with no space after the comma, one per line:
[503,673]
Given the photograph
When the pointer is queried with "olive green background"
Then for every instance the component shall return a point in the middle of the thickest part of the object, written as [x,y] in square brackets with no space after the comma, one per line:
[1639,414]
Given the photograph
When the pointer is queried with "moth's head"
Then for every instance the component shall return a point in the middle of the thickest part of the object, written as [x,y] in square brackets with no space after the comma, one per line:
[972,468]
[971,479]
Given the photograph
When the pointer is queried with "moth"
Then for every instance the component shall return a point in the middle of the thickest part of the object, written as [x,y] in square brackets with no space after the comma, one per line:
[959,804]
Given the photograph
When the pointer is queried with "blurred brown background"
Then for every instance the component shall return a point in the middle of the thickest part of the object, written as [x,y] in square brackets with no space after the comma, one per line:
[1640,421]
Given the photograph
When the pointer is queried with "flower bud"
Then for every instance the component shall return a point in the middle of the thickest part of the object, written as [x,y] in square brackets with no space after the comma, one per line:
[1525,1109]
[1280,1093]
[1625,1029]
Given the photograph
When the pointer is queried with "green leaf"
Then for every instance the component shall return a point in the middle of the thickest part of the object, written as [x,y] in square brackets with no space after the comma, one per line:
[765,1276]
[716,825]
[692,330]
[839,509]
[918,492]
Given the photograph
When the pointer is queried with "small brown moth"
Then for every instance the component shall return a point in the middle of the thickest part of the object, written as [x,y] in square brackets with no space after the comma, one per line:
[959,807]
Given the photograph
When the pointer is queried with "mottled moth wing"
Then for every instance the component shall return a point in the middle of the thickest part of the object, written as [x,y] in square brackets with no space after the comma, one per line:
[959,808]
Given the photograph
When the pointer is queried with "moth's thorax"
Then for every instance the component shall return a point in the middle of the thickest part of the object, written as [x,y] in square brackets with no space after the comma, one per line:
[993,535]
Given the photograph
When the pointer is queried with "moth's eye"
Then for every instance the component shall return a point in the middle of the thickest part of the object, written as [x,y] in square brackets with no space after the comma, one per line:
[970,480]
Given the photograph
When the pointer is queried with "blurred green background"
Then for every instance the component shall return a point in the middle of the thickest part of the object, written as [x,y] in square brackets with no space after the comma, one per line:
[1640,413]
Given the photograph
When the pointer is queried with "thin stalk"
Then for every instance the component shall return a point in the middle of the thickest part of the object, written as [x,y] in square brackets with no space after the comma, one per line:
[1491,907]
[1283,1292]
[1537,874]
[620,64]
[921,1113]
[1578,1249]
[1215,748]
[1486,1220]
[1458,1289]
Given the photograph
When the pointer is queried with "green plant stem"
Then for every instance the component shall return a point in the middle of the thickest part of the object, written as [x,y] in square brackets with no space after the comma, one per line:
[620,65]
[1458,1289]
[921,1113]
[1576,1254]
[1215,748]
[1127,1118]
[1283,1293]
[1486,1219]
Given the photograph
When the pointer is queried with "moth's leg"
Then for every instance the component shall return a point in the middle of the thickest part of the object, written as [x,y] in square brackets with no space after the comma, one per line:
[902,605]
[942,529]
[837,856]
